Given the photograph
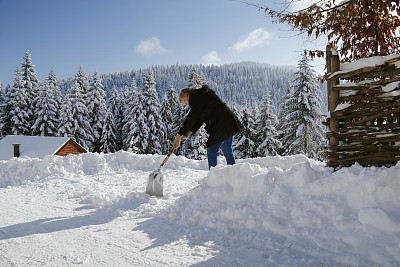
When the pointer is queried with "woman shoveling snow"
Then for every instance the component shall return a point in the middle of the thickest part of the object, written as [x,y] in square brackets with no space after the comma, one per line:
[221,123]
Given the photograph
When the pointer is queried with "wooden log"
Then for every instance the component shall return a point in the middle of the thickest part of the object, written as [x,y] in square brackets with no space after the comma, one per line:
[392,60]
[380,82]
[332,65]
[360,128]
[360,107]
[373,117]
[367,72]
[366,98]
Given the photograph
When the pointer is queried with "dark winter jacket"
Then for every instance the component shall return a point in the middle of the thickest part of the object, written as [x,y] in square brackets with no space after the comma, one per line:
[206,107]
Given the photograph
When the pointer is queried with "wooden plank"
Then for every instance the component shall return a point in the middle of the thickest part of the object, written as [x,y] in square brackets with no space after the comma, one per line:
[362,106]
[366,98]
[380,82]
[392,60]
[373,117]
[367,72]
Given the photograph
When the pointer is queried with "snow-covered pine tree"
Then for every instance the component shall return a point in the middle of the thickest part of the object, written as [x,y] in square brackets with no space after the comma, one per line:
[30,84]
[267,134]
[83,81]
[135,129]
[157,133]
[47,122]
[16,116]
[245,147]
[115,107]
[96,105]
[195,145]
[108,139]
[2,110]
[180,114]
[66,126]
[286,132]
[195,78]
[168,109]
[306,120]
[54,84]
[76,124]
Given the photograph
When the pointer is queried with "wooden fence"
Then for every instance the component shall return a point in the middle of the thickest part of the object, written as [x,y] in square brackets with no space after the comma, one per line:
[364,107]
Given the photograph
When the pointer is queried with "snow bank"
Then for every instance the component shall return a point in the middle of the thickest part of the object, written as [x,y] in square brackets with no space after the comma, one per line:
[354,211]
[18,171]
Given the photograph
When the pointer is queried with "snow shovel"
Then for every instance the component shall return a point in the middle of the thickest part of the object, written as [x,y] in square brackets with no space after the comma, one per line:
[155,181]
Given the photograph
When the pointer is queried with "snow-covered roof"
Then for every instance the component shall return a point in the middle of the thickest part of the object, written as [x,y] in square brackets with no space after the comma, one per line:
[31,146]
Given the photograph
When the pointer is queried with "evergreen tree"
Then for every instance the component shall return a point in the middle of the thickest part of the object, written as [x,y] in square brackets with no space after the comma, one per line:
[47,122]
[195,145]
[77,125]
[286,132]
[153,117]
[180,114]
[16,116]
[135,128]
[115,107]
[30,84]
[196,79]
[108,139]
[305,122]
[54,85]
[245,147]
[169,108]
[83,81]
[2,110]
[268,143]
[96,105]
[66,126]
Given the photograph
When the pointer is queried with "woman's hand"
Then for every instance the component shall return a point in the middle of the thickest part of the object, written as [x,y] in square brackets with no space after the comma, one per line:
[187,136]
[177,142]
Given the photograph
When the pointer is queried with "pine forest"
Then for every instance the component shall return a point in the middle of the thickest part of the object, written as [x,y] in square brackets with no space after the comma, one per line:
[280,107]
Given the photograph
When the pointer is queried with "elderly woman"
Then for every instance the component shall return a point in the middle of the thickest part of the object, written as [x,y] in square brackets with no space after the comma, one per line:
[221,123]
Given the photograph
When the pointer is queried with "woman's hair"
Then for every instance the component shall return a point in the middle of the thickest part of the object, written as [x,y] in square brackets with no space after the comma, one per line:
[185,92]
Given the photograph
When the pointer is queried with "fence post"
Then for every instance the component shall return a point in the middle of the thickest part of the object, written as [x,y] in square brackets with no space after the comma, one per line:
[332,65]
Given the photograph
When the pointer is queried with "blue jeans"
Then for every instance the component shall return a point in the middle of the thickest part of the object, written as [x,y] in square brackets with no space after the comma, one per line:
[212,153]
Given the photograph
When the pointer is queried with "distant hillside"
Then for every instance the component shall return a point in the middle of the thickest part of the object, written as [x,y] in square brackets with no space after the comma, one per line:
[234,83]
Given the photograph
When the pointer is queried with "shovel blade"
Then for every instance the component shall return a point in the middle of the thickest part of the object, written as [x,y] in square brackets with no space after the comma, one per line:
[155,184]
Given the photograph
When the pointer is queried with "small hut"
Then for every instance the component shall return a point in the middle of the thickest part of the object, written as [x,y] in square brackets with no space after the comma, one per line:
[37,146]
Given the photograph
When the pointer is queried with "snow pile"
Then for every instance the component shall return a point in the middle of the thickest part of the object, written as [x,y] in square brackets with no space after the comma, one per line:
[351,216]
[18,171]
[272,211]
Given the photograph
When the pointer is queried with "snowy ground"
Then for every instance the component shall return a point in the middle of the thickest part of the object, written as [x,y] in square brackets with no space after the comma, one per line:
[91,210]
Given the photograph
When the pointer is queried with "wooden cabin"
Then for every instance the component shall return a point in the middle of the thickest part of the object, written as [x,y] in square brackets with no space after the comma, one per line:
[37,146]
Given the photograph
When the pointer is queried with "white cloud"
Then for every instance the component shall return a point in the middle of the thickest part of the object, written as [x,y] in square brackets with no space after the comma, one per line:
[150,47]
[211,58]
[255,38]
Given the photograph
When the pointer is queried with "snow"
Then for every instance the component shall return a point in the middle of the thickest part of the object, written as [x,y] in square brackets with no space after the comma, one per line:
[367,62]
[91,210]
[30,146]
[343,106]
[390,87]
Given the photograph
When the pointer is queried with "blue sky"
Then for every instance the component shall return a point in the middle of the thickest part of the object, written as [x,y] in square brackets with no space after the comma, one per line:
[123,35]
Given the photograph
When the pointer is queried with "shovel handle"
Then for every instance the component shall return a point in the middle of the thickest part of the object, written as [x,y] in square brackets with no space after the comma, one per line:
[169,155]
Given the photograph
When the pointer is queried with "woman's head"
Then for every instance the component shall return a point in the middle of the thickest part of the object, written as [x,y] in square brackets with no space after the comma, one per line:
[184,95]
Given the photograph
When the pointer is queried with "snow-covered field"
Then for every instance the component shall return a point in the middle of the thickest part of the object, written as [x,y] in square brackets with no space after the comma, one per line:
[91,210]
